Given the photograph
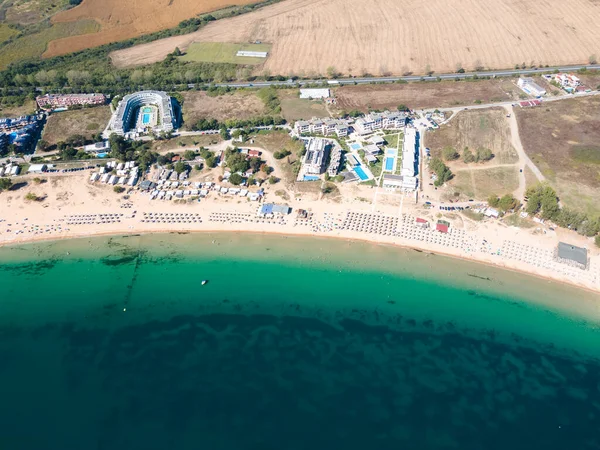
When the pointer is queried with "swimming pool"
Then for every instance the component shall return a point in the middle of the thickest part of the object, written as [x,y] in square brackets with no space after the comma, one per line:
[146,118]
[361,173]
[389,164]
[355,146]
[311,178]
[390,152]
[146,109]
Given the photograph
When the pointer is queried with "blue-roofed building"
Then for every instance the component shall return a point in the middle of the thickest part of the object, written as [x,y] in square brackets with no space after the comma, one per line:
[270,210]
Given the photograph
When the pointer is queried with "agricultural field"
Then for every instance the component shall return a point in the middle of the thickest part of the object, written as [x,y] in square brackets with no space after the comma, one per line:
[424,94]
[121,20]
[218,52]
[563,140]
[390,37]
[233,105]
[34,45]
[476,128]
[480,184]
[86,122]
[294,108]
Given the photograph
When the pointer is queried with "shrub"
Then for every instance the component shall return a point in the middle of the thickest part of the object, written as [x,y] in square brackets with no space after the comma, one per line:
[236,179]
[119,189]
[450,154]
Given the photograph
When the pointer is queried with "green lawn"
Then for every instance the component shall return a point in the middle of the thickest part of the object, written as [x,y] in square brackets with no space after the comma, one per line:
[221,52]
[33,45]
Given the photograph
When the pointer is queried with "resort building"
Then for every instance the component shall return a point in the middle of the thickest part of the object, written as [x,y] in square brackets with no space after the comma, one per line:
[37,168]
[326,127]
[271,210]
[407,180]
[315,157]
[144,111]
[314,93]
[335,161]
[65,101]
[528,86]
[380,121]
[571,255]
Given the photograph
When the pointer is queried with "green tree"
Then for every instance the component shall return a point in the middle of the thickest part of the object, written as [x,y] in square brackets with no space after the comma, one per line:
[468,156]
[441,170]
[236,179]
[484,154]
[493,200]
[255,163]
[273,180]
[450,154]
[189,155]
[211,161]
[5,184]
[237,162]
[597,240]
[43,145]
[180,167]
[224,133]
[508,202]
[119,189]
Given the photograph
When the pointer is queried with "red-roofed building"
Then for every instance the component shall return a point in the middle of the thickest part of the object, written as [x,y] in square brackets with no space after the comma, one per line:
[253,153]
[176,158]
[441,228]
[422,223]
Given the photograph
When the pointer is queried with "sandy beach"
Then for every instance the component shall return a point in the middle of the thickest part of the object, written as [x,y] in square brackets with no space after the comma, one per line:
[74,208]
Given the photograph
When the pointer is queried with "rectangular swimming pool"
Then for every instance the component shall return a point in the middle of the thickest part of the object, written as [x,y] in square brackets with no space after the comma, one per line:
[361,173]
[311,178]
[146,119]
[390,152]
[389,164]
[355,146]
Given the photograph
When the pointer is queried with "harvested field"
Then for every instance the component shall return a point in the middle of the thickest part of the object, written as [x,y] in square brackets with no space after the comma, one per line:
[391,37]
[85,122]
[218,52]
[27,12]
[34,45]
[234,105]
[480,184]
[563,140]
[121,20]
[424,94]
[476,128]
[295,108]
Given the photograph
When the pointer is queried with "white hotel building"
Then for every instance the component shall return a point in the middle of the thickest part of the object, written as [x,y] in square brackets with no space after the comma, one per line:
[380,121]
[326,127]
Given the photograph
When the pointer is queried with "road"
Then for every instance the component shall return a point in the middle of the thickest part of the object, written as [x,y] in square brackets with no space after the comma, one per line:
[443,76]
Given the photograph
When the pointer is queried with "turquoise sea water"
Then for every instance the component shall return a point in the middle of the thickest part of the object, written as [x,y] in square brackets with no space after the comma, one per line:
[294,343]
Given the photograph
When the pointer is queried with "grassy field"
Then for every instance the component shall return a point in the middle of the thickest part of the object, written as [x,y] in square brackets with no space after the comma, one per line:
[478,128]
[424,94]
[86,122]
[233,105]
[294,108]
[185,142]
[28,107]
[27,12]
[275,141]
[219,52]
[563,140]
[34,45]
[6,32]
[480,184]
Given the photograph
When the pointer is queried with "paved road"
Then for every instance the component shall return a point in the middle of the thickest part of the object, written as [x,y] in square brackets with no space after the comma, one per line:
[443,76]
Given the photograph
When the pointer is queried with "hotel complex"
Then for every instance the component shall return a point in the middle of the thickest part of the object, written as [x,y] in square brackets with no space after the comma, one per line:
[407,180]
[380,121]
[150,110]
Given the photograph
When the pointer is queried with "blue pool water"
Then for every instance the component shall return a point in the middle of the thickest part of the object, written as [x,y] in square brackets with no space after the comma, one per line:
[355,146]
[102,155]
[145,119]
[147,109]
[361,173]
[389,164]
[311,178]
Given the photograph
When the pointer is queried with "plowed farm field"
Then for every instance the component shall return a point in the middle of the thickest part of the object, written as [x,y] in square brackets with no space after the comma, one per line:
[382,37]
[120,20]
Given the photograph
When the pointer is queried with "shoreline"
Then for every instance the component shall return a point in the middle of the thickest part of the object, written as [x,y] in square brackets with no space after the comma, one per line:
[421,249]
